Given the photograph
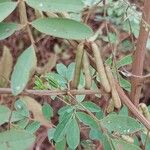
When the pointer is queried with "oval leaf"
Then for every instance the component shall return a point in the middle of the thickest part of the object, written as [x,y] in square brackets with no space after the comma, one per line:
[56,5]
[91,106]
[121,124]
[21,73]
[63,28]
[73,134]
[6,8]
[33,127]
[62,127]
[87,120]
[16,139]
[47,111]
[7,29]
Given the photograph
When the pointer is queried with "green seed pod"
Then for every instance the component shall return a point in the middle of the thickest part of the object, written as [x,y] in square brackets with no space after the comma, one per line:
[100,67]
[143,108]
[86,69]
[115,96]
[78,65]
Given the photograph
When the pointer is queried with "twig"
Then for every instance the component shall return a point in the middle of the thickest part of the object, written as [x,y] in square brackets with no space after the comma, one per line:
[138,60]
[51,92]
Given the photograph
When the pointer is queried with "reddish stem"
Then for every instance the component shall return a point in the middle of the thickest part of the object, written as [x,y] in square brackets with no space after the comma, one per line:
[139,55]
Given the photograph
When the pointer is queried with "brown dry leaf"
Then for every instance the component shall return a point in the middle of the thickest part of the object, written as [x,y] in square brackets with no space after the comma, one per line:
[36,109]
[6,64]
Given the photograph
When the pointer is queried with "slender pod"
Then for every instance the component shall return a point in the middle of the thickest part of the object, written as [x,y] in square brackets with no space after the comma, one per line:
[110,107]
[144,110]
[86,69]
[115,96]
[22,13]
[78,65]
[100,67]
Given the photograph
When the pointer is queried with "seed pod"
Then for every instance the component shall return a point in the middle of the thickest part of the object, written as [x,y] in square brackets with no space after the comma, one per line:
[115,96]
[100,67]
[22,12]
[143,108]
[78,65]
[127,138]
[86,69]
[110,107]
[6,63]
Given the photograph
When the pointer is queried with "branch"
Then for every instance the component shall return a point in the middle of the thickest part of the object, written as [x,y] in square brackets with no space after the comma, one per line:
[139,55]
[51,92]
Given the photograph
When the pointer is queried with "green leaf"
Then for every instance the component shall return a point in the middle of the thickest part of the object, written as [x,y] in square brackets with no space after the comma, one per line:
[5,114]
[62,127]
[22,70]
[16,116]
[73,134]
[91,106]
[70,71]
[106,142]
[7,29]
[121,124]
[63,28]
[2,1]
[95,134]
[61,145]
[65,109]
[47,111]
[16,139]
[124,111]
[56,5]
[125,84]
[6,9]
[124,61]
[21,108]
[33,126]
[86,119]
[61,69]
[56,80]
[22,123]
[120,144]
[80,98]
[51,133]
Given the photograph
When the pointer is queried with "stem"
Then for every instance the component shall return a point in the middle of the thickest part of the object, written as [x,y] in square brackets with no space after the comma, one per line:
[50,92]
[139,55]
